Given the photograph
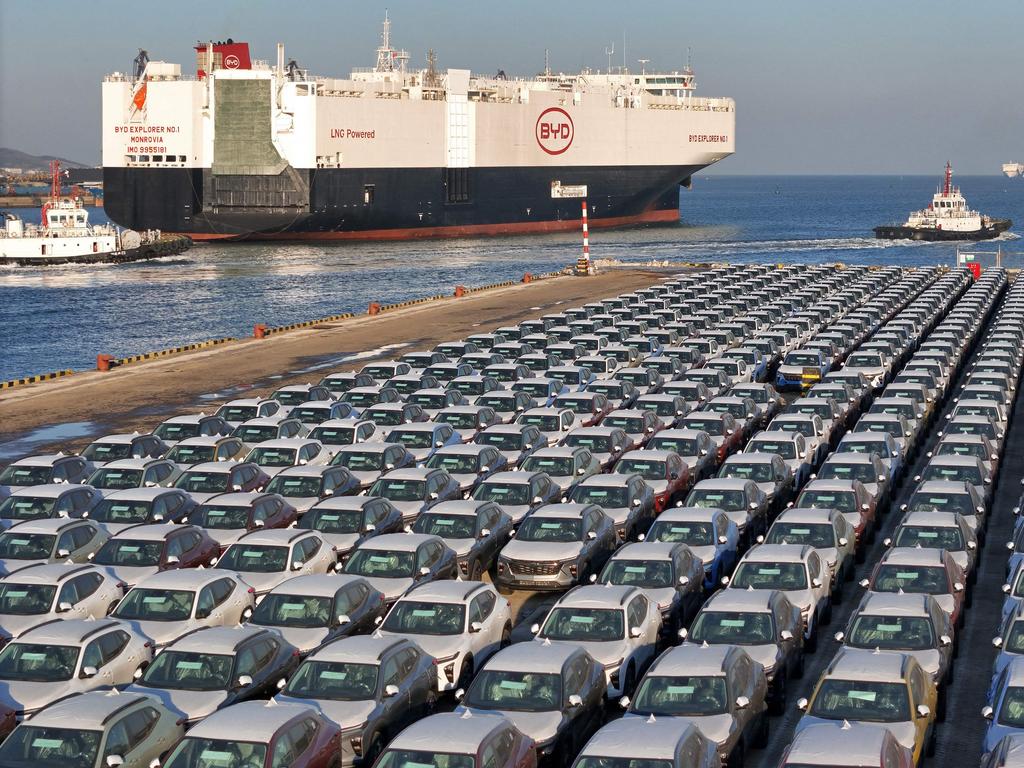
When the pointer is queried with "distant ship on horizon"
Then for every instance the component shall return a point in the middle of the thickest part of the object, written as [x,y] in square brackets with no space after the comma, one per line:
[1013,170]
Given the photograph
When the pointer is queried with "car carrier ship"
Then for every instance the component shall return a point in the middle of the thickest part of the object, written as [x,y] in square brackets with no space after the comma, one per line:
[248,149]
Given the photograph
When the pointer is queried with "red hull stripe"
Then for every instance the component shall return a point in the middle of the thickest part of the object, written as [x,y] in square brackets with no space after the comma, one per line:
[472,230]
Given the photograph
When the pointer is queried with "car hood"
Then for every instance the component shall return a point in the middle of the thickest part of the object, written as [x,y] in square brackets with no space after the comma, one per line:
[466,480]
[264,582]
[462,547]
[392,589]
[663,597]
[659,486]
[343,542]
[365,478]
[438,646]
[608,653]
[347,714]
[9,565]
[962,559]
[716,728]
[114,528]
[192,705]
[226,536]
[12,625]
[904,731]
[930,660]
[544,551]
[947,603]
[540,726]
[304,638]
[409,509]
[129,575]
[516,511]
[302,503]
[160,632]
[707,553]
[765,655]
[29,696]
[202,498]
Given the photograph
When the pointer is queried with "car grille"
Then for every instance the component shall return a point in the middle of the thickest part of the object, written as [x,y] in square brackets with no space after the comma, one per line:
[533,569]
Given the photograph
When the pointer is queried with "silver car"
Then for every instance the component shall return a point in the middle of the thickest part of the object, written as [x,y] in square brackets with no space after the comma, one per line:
[50,540]
[280,426]
[335,434]
[138,506]
[172,603]
[828,531]
[369,461]
[43,470]
[133,473]
[346,521]
[565,465]
[670,742]
[304,486]
[369,685]
[452,740]
[98,729]
[41,593]
[518,493]
[476,530]
[718,688]
[396,562]
[855,743]
[264,559]
[54,660]
[312,611]
[468,464]
[460,623]
[47,501]
[415,490]
[235,412]
[272,456]
[123,446]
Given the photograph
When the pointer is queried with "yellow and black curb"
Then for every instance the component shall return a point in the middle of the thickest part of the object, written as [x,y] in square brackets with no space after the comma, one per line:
[37,379]
[106,362]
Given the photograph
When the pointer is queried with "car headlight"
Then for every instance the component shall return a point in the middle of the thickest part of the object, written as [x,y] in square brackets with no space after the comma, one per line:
[447,664]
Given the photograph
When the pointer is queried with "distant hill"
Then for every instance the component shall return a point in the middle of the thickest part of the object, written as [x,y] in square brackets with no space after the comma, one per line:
[12,158]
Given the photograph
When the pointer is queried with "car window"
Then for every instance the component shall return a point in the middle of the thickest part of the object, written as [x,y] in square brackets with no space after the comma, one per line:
[917,686]
[309,547]
[636,612]
[80,588]
[221,589]
[391,671]
[112,643]
[139,725]
[481,607]
[92,656]
[117,739]
[575,676]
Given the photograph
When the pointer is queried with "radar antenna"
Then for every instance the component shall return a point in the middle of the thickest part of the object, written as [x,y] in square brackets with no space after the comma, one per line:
[388,57]
[643,65]
[430,78]
[609,51]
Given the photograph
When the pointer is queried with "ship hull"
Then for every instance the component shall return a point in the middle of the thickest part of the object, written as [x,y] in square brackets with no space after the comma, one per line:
[996,228]
[388,203]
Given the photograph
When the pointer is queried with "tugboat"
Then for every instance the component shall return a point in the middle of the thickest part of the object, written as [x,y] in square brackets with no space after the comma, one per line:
[65,236]
[947,217]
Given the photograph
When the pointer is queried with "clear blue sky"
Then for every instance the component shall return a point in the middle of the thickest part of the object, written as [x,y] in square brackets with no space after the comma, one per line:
[822,86]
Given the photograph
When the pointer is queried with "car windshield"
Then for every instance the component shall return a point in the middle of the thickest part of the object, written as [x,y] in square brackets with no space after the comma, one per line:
[188,671]
[590,624]
[710,424]
[915,579]
[1015,638]
[687,532]
[863,446]
[861,700]
[26,546]
[536,528]
[266,456]
[986,428]
[781,576]
[137,553]
[555,466]
[290,396]
[252,558]
[604,496]
[759,472]
[804,426]
[971,475]
[310,414]
[387,564]
[334,435]
[503,441]
[195,481]
[27,507]
[499,401]
[962,449]
[717,627]
[843,501]
[889,426]
[864,472]
[684,446]
[237,412]
[512,494]
[32,746]
[193,752]
[101,452]
[455,463]
[639,378]
[411,758]
[648,470]
[428,400]
[25,599]
[629,424]
[923,501]
[426,618]
[946,537]
[307,611]
[334,681]
[385,417]
[817,535]
[38,663]
[191,454]
[542,422]
[293,486]
[581,405]
[681,696]
[446,526]
[596,443]
[803,358]
[468,388]
[640,573]
[730,501]
[902,633]
[518,691]
[143,604]
[360,461]
[394,489]
[784,448]
[22,475]
[333,520]
[256,433]
[412,438]
[221,517]
[116,479]
[1011,712]
[864,360]
[174,431]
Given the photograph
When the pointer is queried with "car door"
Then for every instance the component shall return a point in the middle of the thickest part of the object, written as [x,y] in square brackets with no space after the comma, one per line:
[641,614]
[393,672]
[482,609]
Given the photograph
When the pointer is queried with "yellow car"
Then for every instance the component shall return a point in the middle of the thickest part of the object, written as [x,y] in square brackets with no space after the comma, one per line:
[877,687]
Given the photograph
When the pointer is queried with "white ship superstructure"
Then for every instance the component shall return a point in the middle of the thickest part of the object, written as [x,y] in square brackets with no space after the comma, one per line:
[1013,170]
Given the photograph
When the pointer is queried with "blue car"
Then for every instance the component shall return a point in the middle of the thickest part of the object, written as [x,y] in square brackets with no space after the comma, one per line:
[754,359]
[712,535]
[791,370]
[1010,642]
[1014,591]
[1005,711]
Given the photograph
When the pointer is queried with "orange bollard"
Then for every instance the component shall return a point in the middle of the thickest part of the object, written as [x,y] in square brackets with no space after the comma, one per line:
[527,278]
[259,331]
[374,308]
[104,362]
[460,290]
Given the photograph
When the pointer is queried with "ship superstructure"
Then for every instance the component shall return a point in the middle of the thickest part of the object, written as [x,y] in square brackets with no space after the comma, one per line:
[246,148]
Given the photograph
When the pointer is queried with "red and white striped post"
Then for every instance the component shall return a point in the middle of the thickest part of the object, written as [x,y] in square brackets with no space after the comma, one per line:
[583,265]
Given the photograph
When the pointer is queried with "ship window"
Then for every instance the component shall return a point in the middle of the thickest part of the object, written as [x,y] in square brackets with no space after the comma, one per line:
[368,192]
[158,158]
[181,158]
[456,184]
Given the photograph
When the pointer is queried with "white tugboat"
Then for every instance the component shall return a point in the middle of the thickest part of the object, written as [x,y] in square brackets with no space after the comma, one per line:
[65,236]
[947,217]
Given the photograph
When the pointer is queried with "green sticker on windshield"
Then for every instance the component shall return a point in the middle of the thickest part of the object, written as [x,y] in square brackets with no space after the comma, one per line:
[330,518]
[252,553]
[509,685]
[888,628]
[443,521]
[581,619]
[154,599]
[29,656]
[908,575]
[635,569]
[47,743]
[732,623]
[130,548]
[292,606]
[679,689]
[329,675]
[927,534]
[189,665]
[16,593]
[380,559]
[769,571]
[212,756]
[799,532]
[424,613]
[551,526]
[862,695]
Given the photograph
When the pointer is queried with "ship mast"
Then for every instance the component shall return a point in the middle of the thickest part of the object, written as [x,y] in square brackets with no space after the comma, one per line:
[387,56]
[949,179]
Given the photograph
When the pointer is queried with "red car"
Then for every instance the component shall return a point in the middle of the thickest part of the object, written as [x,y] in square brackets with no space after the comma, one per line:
[664,471]
[589,407]
[142,550]
[261,733]
[725,433]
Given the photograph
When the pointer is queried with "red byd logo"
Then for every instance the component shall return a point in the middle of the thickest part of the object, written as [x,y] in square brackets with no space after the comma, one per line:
[554,130]
[231,61]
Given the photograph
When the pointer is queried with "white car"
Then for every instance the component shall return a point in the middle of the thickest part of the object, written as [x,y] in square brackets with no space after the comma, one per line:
[45,592]
[264,559]
[460,623]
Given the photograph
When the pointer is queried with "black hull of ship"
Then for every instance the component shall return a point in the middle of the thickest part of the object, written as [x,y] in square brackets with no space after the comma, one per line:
[994,229]
[387,203]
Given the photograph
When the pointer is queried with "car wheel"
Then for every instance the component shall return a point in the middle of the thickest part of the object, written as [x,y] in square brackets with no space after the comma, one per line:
[373,750]
[506,636]
[465,674]
[826,615]
[777,702]
[629,682]
[737,756]
[762,733]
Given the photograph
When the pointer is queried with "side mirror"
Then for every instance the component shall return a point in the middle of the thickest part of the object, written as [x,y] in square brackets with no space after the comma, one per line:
[786,635]
[296,565]
[433,495]
[637,502]
[484,533]
[881,478]
[923,710]
[259,523]
[865,507]
[816,583]
[624,702]
[113,761]
[684,580]
[591,535]
[843,541]
[64,607]
[593,578]
[958,587]
[282,683]
[154,763]
[752,505]
[575,700]
[534,629]
[839,636]
[972,545]
[89,671]
[683,633]
[1006,589]
[723,539]
[801,704]
[343,619]
[475,627]
[725,581]
[63,553]
[635,632]
[887,542]
[173,560]
[988,713]
[742,702]
[390,691]
[236,487]
[760,538]
[537,499]
[439,444]
[244,681]
[424,571]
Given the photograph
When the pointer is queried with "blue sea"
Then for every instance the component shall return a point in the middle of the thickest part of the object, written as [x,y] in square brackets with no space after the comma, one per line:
[57,318]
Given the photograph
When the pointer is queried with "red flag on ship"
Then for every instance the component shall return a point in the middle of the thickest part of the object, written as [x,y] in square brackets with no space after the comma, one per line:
[139,99]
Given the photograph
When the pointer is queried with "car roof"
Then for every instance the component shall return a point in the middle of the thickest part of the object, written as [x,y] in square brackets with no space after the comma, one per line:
[838,743]
[724,483]
[862,664]
[154,532]
[955,460]
[462,449]
[139,463]
[214,466]
[849,457]
[254,721]
[680,514]
[597,596]
[286,442]
[913,556]
[124,437]
[467,507]
[536,657]
[564,510]
[807,515]
[217,639]
[67,630]
[87,711]
[512,476]
[829,485]
[398,542]
[203,440]
[316,584]
[304,470]
[244,401]
[44,525]
[48,573]
[943,486]
[409,473]
[648,550]
[364,649]
[461,733]
[780,553]
[750,458]
[649,738]
[274,536]
[933,519]
[40,460]
[776,435]
[46,490]
[741,600]
[344,502]
[894,604]
[235,498]
[685,660]
[446,590]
